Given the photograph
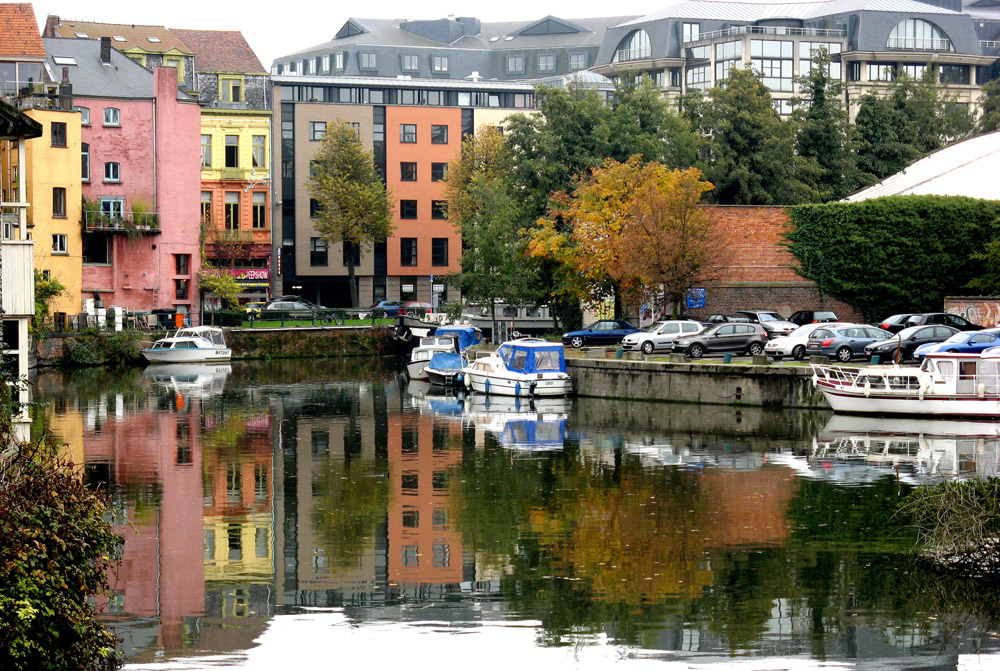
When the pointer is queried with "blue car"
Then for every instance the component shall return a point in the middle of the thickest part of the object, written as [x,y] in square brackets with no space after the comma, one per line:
[391,308]
[963,342]
[603,332]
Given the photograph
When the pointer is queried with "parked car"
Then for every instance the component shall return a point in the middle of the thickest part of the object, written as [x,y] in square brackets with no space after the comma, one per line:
[794,344]
[773,323]
[253,309]
[895,323]
[738,338]
[603,332]
[964,342]
[293,307]
[416,308]
[390,308]
[843,342]
[961,323]
[812,317]
[659,335]
[727,318]
[901,346]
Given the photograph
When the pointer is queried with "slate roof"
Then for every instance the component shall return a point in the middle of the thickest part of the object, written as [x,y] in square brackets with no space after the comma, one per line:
[19,31]
[753,11]
[221,51]
[122,78]
[134,35]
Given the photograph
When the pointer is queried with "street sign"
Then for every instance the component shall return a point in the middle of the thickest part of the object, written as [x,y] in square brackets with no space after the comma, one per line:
[438,288]
[407,288]
[696,298]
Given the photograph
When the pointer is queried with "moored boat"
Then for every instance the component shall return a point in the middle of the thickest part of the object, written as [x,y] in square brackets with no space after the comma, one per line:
[452,338]
[523,367]
[946,384]
[445,368]
[190,345]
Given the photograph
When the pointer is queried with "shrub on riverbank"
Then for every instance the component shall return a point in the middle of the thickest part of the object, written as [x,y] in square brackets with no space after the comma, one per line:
[958,524]
[98,347]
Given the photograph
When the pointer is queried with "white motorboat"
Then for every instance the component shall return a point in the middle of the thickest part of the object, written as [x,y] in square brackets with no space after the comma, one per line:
[190,345]
[445,339]
[523,367]
[946,384]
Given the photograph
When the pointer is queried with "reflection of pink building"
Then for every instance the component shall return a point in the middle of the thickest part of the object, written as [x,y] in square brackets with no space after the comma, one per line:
[141,171]
[162,569]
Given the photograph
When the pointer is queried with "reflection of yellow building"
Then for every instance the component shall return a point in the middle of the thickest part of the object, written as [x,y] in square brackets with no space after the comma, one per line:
[54,189]
[238,548]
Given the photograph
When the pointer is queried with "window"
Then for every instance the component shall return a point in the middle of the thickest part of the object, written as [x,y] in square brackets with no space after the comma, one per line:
[439,171]
[181,289]
[232,210]
[232,151]
[113,207]
[206,151]
[699,78]
[314,208]
[85,162]
[773,59]
[84,115]
[58,134]
[920,35]
[112,116]
[954,74]
[325,63]
[317,252]
[407,133]
[407,251]
[206,207]
[112,172]
[230,89]
[634,46]
[407,209]
[439,251]
[317,130]
[59,243]
[439,134]
[259,210]
[914,70]
[58,201]
[97,248]
[439,64]
[577,62]
[338,60]
[312,66]
[411,62]
[547,63]
[690,32]
[369,60]
[408,172]
[878,72]
[515,64]
[351,253]
[182,264]
[439,209]
[258,151]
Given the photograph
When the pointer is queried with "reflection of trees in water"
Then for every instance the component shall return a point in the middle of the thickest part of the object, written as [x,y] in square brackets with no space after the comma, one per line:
[351,503]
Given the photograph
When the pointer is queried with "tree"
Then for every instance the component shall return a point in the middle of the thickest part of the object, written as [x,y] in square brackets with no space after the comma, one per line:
[989,281]
[882,151]
[47,288]
[354,205]
[483,206]
[989,106]
[752,159]
[642,123]
[223,285]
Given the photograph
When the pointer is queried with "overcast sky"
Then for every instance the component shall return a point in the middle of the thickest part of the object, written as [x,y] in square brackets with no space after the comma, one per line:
[275,29]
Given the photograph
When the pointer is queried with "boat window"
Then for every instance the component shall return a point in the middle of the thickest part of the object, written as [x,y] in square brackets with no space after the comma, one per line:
[903,382]
[517,362]
[187,344]
[988,376]
[547,361]
[966,370]
[927,366]
[946,369]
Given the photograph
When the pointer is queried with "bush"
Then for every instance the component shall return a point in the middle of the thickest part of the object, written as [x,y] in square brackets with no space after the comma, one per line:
[453,311]
[96,347]
[225,318]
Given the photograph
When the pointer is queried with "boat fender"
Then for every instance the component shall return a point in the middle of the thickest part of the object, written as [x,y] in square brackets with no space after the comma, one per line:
[815,380]
[531,388]
[517,389]
[981,390]
[459,378]
[487,386]
[868,388]
[468,382]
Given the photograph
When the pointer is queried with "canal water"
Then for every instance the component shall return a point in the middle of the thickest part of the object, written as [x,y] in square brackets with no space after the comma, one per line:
[317,514]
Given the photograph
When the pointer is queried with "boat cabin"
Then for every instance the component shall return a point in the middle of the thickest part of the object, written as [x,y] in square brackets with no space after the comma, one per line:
[533,356]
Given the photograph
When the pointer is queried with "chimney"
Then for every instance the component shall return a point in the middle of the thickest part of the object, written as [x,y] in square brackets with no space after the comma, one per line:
[66,90]
[106,50]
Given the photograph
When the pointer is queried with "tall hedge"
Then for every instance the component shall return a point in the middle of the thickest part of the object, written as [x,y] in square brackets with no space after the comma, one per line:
[893,254]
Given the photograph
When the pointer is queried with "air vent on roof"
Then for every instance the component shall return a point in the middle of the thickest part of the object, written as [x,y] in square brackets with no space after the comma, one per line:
[119,38]
[64,60]
[154,40]
[82,35]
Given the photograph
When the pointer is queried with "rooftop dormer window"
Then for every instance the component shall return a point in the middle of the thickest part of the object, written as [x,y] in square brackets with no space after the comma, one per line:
[635,46]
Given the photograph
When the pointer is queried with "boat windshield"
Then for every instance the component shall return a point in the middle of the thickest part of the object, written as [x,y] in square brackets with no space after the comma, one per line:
[551,360]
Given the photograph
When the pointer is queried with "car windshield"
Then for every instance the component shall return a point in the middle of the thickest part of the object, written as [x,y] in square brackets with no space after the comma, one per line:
[961,336]
[907,332]
[802,331]
[769,317]
[711,329]
[653,327]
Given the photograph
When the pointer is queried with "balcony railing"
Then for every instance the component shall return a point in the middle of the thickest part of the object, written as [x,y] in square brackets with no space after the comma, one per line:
[989,44]
[147,223]
[769,30]
[233,173]
[34,95]
[918,44]
[225,236]
[623,55]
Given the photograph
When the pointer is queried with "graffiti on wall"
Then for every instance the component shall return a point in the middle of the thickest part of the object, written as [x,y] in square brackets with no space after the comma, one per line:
[982,311]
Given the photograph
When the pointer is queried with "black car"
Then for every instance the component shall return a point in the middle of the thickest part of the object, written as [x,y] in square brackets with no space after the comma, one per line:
[803,317]
[900,347]
[739,338]
[773,323]
[726,318]
[895,323]
[960,323]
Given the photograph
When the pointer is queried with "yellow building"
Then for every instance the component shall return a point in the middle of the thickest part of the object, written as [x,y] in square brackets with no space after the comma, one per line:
[54,191]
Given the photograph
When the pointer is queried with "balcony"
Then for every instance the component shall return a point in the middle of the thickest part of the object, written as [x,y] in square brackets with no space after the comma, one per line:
[233,173]
[918,44]
[223,237]
[130,223]
[34,95]
[769,30]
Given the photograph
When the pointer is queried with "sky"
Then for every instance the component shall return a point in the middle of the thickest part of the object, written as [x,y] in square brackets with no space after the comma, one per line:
[274,30]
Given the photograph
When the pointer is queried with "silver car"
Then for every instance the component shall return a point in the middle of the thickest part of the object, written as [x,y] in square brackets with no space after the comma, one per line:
[659,335]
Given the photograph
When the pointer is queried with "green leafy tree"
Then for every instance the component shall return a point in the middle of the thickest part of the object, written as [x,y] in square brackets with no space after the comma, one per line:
[643,123]
[223,285]
[354,206]
[989,107]
[46,290]
[751,154]
[882,147]
[989,259]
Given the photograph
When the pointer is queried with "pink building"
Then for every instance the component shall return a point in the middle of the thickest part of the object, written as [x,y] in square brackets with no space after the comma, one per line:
[141,169]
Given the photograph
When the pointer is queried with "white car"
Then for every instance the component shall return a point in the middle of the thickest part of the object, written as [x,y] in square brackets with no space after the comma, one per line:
[794,344]
[660,335]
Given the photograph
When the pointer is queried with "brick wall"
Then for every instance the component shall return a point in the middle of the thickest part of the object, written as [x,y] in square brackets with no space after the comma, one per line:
[982,310]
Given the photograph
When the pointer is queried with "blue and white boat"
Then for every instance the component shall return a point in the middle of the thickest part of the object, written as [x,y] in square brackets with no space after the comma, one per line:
[523,367]
[190,345]
[445,368]
[444,339]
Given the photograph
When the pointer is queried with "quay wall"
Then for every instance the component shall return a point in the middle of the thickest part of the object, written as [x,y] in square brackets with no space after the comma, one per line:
[774,387]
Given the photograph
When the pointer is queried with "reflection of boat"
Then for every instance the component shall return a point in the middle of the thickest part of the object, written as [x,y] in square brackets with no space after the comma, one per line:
[946,384]
[522,424]
[198,379]
[188,345]
[436,400]
[524,367]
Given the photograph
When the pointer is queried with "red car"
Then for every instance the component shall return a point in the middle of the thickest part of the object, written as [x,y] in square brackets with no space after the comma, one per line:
[415,308]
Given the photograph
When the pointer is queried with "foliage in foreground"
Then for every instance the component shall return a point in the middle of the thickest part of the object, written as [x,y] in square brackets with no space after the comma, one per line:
[55,552]
[893,254]
[99,347]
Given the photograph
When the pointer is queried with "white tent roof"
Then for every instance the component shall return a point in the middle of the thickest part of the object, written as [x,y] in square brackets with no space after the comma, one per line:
[968,168]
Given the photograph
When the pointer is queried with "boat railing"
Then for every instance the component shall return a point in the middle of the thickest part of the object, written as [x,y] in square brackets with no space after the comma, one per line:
[839,375]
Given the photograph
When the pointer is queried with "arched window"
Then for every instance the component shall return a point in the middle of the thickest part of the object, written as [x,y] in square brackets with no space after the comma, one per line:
[634,47]
[920,35]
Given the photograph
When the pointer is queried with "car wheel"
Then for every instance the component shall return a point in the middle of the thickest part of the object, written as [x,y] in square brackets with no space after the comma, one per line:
[695,351]
[647,347]
[799,352]
[899,356]
[844,354]
[755,348]
[576,341]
